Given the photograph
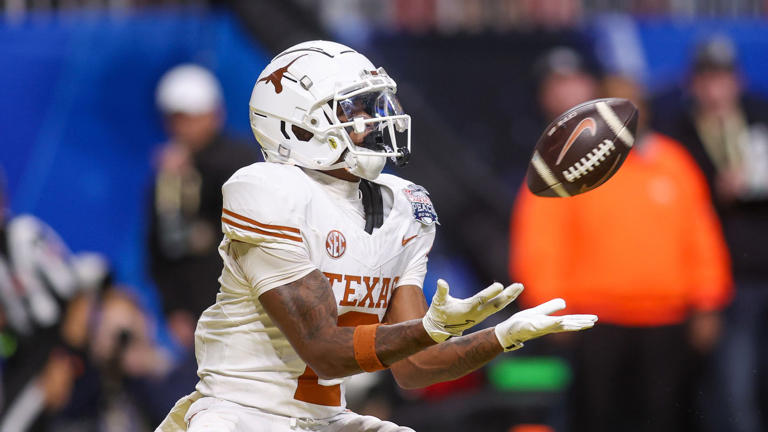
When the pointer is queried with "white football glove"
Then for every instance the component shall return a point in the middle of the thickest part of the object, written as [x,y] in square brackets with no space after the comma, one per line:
[448,316]
[534,322]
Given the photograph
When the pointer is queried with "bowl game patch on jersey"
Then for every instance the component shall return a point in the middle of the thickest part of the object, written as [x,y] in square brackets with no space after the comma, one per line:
[423,210]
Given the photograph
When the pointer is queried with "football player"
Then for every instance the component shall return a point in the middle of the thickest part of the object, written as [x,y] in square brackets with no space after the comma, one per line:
[324,259]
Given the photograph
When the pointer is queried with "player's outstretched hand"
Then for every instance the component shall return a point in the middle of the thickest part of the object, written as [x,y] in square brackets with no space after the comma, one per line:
[448,316]
[535,322]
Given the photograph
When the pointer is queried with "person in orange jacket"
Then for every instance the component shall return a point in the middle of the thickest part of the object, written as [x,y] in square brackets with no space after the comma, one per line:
[645,252]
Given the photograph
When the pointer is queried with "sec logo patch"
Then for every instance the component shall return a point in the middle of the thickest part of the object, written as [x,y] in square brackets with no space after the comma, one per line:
[335,244]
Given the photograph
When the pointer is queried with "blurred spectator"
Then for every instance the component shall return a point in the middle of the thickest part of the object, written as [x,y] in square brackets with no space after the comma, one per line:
[451,16]
[74,356]
[186,202]
[126,381]
[41,327]
[565,82]
[563,79]
[727,133]
[138,380]
[475,16]
[645,253]
[122,350]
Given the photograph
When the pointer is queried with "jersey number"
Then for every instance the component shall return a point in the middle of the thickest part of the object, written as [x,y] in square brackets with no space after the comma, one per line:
[308,388]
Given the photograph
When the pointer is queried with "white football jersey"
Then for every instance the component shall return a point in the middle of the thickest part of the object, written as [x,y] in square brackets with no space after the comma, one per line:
[298,226]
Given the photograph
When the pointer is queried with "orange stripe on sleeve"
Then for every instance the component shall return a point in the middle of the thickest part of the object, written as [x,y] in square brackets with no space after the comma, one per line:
[262,232]
[259,224]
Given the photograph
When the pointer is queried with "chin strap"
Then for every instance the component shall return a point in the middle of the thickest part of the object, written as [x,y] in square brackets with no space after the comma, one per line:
[373,205]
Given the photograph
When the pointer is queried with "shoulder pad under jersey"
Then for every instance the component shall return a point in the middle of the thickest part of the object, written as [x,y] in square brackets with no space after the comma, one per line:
[265,202]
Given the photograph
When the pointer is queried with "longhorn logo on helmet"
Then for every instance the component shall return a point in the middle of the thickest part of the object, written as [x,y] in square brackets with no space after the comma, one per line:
[276,77]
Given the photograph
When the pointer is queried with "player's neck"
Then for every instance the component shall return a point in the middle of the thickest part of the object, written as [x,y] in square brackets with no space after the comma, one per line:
[341,188]
[341,173]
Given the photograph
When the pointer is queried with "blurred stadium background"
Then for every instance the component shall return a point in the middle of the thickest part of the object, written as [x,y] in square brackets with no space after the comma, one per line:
[80,127]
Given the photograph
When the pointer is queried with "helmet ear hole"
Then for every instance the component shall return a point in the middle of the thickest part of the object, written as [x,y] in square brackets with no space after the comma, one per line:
[302,134]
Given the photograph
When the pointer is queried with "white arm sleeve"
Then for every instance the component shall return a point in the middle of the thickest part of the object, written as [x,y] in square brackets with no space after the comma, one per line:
[271,265]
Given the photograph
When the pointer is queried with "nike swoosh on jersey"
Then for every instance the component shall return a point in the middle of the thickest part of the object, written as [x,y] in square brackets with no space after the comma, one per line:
[406,240]
[586,124]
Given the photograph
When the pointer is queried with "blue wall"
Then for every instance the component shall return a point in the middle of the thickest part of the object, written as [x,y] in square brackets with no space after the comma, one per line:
[668,44]
[665,46]
[79,124]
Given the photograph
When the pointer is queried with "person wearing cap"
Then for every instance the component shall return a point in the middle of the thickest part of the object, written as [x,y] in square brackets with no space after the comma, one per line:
[726,130]
[562,80]
[565,82]
[186,198]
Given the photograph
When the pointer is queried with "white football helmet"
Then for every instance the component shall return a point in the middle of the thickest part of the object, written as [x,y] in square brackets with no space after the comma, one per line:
[295,102]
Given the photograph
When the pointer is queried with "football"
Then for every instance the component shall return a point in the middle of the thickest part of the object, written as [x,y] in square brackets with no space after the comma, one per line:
[582,148]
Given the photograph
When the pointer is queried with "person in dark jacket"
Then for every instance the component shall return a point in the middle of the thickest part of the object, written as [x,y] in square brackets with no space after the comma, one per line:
[185,225]
[726,131]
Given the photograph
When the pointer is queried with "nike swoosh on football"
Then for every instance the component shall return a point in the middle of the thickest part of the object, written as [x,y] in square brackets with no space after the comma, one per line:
[406,240]
[586,124]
